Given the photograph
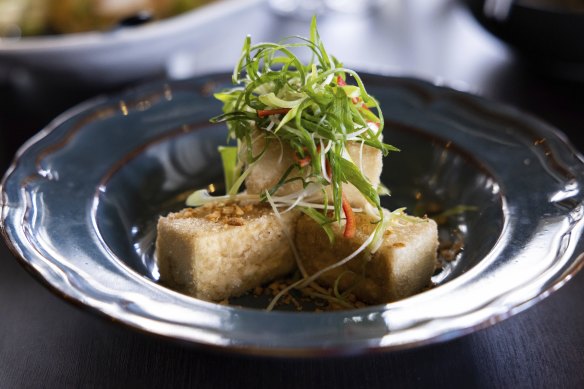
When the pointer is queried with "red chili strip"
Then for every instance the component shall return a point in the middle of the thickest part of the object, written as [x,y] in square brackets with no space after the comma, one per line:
[267,112]
[350,226]
[340,81]
[327,165]
[302,161]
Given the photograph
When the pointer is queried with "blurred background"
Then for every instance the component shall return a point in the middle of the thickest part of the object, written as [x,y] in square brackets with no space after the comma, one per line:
[55,54]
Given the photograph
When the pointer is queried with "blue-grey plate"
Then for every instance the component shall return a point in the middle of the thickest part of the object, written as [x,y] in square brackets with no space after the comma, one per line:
[80,203]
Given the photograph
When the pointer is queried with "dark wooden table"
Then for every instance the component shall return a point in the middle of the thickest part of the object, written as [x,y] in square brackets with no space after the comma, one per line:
[45,342]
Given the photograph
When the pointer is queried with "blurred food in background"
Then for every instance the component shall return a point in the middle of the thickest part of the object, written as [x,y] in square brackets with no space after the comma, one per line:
[54,70]
[21,18]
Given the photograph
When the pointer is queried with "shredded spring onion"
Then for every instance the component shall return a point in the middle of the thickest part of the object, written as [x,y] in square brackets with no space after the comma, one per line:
[314,110]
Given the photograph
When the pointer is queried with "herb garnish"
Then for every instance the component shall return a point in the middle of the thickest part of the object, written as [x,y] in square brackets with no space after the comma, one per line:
[312,109]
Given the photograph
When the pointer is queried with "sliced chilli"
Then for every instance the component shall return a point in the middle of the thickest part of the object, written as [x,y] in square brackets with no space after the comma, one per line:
[350,225]
[268,112]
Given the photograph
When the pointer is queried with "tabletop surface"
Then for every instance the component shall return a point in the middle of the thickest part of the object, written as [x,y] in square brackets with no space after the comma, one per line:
[46,342]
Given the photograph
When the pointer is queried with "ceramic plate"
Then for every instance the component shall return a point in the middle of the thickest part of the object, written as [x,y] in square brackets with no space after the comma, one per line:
[80,203]
[117,57]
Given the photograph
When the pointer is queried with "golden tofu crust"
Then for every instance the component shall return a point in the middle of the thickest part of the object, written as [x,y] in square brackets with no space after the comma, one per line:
[222,250]
[402,266]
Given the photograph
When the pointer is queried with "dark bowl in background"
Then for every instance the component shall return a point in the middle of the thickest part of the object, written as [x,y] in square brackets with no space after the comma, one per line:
[550,36]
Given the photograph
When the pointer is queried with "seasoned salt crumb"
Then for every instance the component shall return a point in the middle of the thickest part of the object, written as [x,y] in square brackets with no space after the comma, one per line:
[450,252]
[228,210]
[213,216]
[238,211]
[449,249]
[235,221]
[317,304]
[277,286]
[228,213]
[289,299]
[297,305]
[273,289]
[258,290]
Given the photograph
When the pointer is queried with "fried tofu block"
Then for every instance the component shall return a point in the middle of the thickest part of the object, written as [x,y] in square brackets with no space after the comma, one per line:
[221,250]
[277,158]
[401,267]
[268,171]
[370,160]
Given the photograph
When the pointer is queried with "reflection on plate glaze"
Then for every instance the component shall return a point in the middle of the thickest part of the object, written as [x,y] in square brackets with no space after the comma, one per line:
[80,201]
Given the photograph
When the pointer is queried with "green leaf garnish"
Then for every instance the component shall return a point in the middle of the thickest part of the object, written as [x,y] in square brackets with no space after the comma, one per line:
[314,108]
[229,159]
